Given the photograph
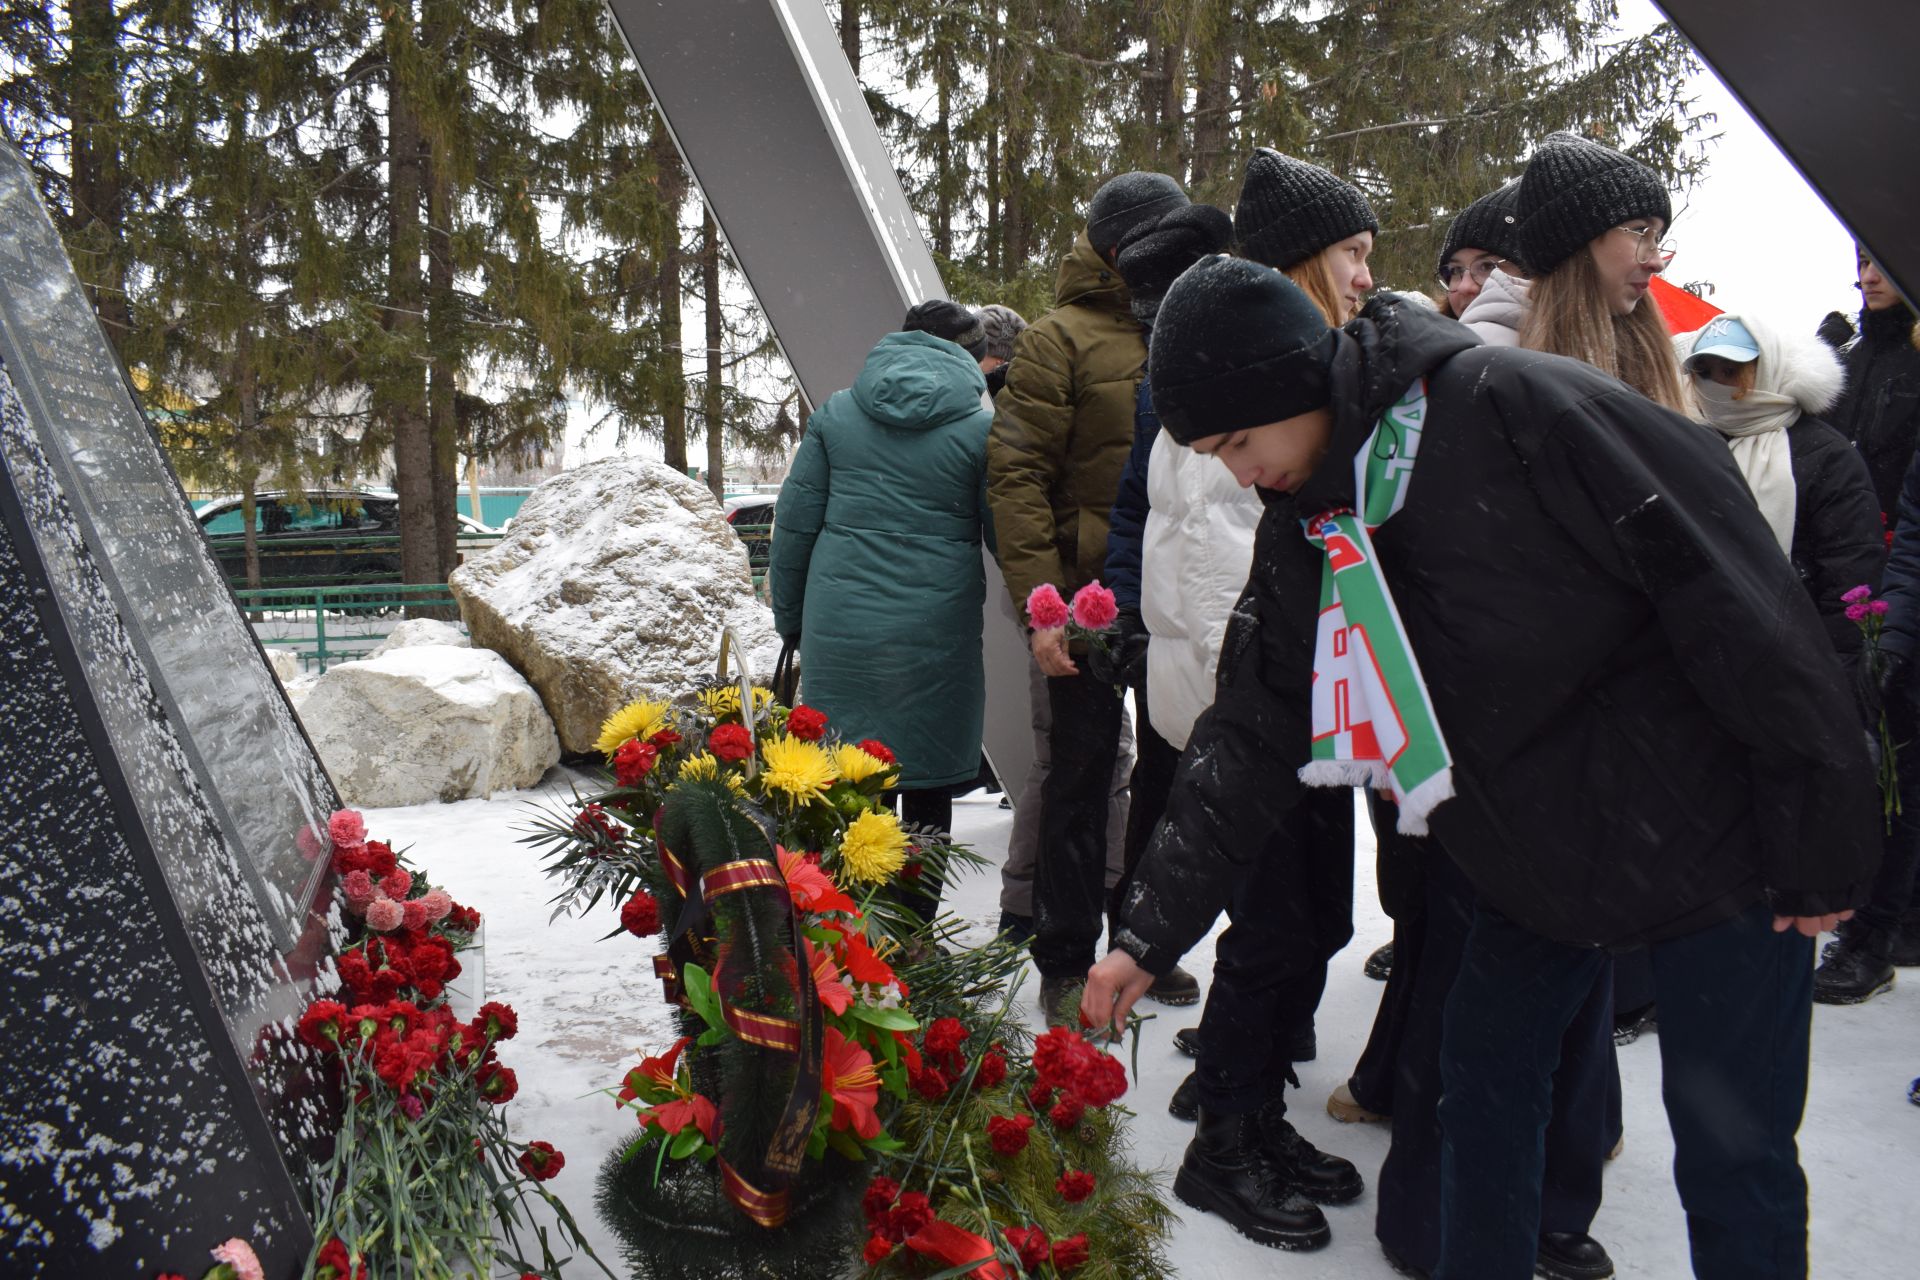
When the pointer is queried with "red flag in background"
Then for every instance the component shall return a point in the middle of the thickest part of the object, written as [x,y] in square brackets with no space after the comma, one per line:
[1683,311]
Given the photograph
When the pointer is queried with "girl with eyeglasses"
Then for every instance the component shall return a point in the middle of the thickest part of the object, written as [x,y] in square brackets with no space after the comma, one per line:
[1485,287]
[1592,223]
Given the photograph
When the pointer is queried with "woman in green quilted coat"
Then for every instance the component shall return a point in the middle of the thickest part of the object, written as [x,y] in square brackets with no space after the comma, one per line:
[876,566]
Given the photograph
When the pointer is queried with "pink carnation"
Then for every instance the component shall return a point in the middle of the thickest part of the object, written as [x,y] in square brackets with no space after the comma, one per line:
[1877,607]
[1859,593]
[345,827]
[398,883]
[1045,609]
[1857,611]
[238,1254]
[359,891]
[437,903]
[384,915]
[1093,607]
[413,915]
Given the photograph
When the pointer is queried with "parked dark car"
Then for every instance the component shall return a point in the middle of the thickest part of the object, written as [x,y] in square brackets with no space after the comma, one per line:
[751,515]
[324,537]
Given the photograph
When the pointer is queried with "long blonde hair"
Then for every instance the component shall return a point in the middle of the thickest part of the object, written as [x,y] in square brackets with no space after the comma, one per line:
[1568,315]
[1315,279]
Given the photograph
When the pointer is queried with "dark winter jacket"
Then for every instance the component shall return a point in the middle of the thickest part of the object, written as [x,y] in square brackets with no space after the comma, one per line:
[876,557]
[1837,544]
[1128,523]
[1880,409]
[1649,728]
[1062,429]
[1901,581]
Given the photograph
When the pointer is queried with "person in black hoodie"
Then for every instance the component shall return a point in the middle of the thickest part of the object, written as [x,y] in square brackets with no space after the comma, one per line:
[1880,413]
[1619,664]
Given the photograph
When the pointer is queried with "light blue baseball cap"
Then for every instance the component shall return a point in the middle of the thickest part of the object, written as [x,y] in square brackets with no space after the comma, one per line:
[1727,338]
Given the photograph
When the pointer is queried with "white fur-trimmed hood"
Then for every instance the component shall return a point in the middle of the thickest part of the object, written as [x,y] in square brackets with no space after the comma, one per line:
[1792,364]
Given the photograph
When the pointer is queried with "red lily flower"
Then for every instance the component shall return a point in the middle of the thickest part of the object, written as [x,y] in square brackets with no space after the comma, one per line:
[655,1075]
[812,888]
[852,1083]
[833,993]
[862,963]
[678,1114]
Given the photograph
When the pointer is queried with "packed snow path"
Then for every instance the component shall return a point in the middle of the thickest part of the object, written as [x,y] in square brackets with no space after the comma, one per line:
[586,1006]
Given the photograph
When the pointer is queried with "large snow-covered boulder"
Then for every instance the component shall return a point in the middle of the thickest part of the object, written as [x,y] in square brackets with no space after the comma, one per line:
[420,631]
[614,584]
[428,722]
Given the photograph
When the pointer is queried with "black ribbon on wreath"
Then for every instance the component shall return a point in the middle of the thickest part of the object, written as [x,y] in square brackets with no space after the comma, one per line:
[737,921]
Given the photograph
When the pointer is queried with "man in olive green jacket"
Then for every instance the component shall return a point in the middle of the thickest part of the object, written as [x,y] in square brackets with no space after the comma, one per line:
[1061,433]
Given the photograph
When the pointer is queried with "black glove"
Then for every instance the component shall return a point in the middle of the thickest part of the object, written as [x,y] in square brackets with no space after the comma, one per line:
[1878,683]
[1124,659]
[1836,330]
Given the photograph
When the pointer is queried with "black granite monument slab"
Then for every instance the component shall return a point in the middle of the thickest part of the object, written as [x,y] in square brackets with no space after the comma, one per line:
[162,822]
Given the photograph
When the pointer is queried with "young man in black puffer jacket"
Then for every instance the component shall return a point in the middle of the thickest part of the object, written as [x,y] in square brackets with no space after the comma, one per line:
[1651,740]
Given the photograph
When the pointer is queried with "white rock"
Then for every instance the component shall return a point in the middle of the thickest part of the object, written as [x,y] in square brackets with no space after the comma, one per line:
[285,665]
[428,722]
[421,631]
[298,688]
[614,585]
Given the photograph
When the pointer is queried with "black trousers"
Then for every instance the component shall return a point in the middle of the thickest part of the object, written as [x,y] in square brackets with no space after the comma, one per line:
[1270,967]
[1069,884]
[1154,762]
[1891,905]
[925,807]
[1584,1122]
[1400,874]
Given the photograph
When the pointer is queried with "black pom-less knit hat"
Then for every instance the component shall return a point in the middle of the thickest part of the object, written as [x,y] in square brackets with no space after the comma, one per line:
[1290,210]
[951,321]
[1236,345]
[1153,254]
[1123,203]
[1574,190]
[1492,223]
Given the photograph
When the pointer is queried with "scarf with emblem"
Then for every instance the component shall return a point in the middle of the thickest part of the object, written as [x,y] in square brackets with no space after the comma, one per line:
[1373,723]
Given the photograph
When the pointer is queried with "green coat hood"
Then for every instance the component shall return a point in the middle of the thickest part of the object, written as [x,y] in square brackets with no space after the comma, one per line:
[918,381]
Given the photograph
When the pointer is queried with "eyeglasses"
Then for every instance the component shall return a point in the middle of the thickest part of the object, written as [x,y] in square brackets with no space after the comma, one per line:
[1650,248]
[1451,274]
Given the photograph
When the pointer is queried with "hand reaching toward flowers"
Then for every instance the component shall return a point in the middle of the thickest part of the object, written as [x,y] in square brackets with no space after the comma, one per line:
[1050,651]
[1114,986]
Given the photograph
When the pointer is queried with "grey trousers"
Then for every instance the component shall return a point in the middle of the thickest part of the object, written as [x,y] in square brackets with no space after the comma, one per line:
[1023,847]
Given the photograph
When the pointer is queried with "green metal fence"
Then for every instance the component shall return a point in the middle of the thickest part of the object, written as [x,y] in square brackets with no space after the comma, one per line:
[326,625]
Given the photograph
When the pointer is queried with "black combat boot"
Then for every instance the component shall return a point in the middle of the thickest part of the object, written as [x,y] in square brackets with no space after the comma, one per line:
[1571,1255]
[1226,1171]
[1185,1102]
[1321,1178]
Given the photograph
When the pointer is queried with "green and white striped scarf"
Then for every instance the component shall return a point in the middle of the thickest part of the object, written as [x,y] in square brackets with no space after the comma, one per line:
[1373,723]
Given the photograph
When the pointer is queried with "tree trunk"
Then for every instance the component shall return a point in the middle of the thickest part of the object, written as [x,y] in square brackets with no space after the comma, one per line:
[1211,104]
[850,33]
[943,177]
[714,407]
[673,398]
[405,383]
[443,385]
[249,516]
[99,192]
[994,254]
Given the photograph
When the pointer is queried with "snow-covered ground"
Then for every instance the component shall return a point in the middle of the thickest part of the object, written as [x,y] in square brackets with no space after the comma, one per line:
[587,1006]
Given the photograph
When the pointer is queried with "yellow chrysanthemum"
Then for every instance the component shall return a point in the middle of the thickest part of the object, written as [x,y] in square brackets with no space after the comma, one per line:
[874,848]
[802,770]
[724,700]
[699,768]
[855,765]
[635,720]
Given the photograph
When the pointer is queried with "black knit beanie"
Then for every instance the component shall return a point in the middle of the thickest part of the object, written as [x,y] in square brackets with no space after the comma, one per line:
[1236,345]
[1574,190]
[1492,223]
[1123,203]
[1153,254]
[951,321]
[1290,210]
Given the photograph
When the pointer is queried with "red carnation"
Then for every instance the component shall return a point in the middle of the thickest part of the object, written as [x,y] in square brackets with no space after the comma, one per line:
[540,1161]
[378,859]
[1040,1097]
[397,883]
[465,919]
[1009,1133]
[664,739]
[1066,1113]
[912,1213]
[1070,1253]
[945,1037]
[992,1069]
[878,1247]
[335,1264]
[634,761]
[1102,1079]
[324,1024]
[879,1197]
[1074,1185]
[805,723]
[498,1084]
[731,742]
[1031,1244]
[929,1082]
[877,749]
[496,1021]
[641,916]
[592,823]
